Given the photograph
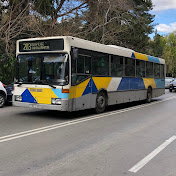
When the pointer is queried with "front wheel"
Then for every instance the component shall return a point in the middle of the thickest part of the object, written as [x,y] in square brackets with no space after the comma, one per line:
[2,100]
[170,90]
[101,102]
[149,95]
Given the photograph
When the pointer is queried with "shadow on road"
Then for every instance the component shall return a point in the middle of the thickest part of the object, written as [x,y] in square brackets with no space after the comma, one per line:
[59,115]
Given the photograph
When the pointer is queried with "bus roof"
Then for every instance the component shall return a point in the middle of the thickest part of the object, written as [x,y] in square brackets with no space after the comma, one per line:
[110,49]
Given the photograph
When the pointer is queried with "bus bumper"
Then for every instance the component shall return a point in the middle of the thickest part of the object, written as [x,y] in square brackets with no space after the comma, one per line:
[62,107]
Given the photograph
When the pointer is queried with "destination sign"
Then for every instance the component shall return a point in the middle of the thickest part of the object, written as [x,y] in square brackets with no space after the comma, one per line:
[41,45]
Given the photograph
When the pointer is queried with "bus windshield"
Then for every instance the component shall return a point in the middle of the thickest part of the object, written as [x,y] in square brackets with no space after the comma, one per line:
[43,69]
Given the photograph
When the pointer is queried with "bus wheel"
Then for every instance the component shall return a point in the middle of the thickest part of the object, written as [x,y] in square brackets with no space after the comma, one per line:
[101,102]
[149,95]
[2,100]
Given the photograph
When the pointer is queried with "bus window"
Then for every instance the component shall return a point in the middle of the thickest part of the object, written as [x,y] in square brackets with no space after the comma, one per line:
[129,67]
[140,68]
[162,75]
[87,65]
[117,66]
[149,70]
[84,64]
[100,64]
[73,65]
[83,69]
[156,70]
[80,64]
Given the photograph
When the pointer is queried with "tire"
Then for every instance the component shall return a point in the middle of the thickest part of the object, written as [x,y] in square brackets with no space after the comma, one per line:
[170,90]
[101,102]
[149,95]
[2,100]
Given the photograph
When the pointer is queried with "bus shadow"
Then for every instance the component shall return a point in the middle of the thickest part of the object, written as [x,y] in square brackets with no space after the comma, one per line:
[124,106]
[59,115]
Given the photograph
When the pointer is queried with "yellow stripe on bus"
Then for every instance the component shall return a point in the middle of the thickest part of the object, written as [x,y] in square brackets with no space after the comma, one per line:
[102,82]
[43,96]
[77,91]
[149,82]
[141,56]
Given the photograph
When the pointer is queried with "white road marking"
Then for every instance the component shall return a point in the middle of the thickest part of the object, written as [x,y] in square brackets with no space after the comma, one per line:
[149,157]
[73,122]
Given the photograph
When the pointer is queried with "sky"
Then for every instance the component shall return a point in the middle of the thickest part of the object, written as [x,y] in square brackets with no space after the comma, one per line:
[165,16]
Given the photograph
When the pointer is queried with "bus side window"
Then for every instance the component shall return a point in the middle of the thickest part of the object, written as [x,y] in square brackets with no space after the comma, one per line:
[129,67]
[100,64]
[80,64]
[73,65]
[140,68]
[117,66]
[156,70]
[162,74]
[83,68]
[87,65]
[84,64]
[149,70]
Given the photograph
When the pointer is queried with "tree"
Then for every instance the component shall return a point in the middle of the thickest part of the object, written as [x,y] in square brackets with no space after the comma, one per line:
[54,11]
[140,25]
[13,22]
[157,45]
[169,54]
[120,22]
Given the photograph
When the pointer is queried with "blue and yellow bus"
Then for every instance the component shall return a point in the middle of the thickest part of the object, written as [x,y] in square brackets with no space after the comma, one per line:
[68,74]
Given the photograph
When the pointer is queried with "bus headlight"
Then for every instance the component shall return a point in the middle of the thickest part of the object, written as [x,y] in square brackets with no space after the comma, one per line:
[56,101]
[18,98]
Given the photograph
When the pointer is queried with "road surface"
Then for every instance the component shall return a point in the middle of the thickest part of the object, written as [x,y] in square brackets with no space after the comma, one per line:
[133,139]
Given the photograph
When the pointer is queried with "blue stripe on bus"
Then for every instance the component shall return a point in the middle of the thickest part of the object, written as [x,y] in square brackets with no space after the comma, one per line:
[124,84]
[137,83]
[133,56]
[153,59]
[59,93]
[160,83]
[90,88]
[27,97]
[131,83]
[94,88]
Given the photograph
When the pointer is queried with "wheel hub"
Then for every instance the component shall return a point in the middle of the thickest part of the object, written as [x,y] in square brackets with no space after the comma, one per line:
[101,101]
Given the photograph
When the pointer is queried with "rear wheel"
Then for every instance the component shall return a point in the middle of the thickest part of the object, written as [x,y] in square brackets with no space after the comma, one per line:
[101,102]
[149,95]
[2,100]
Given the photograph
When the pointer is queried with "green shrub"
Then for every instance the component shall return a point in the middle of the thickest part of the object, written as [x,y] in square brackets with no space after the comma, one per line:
[7,69]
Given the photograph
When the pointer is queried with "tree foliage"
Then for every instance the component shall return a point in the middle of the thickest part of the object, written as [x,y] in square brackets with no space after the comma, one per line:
[119,22]
[165,47]
[169,53]
[157,45]
[54,11]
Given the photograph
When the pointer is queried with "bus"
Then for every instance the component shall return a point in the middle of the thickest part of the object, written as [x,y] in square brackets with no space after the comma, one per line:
[65,73]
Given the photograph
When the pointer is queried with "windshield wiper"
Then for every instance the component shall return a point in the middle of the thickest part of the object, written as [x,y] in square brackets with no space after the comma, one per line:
[51,85]
[45,82]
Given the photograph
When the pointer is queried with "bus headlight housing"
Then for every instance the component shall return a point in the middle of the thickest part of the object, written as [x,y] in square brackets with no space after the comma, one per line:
[18,98]
[56,101]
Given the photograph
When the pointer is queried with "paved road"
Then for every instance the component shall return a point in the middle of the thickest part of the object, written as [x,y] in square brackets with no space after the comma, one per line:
[133,139]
